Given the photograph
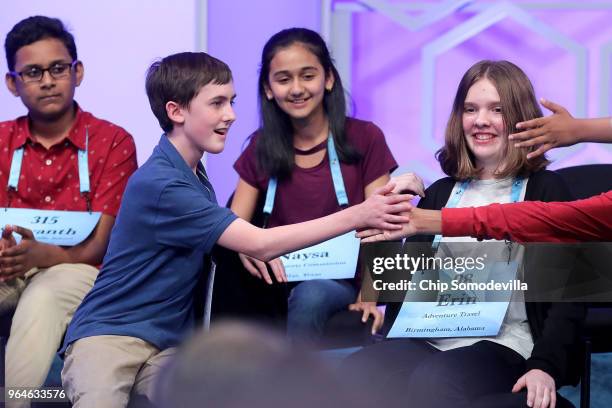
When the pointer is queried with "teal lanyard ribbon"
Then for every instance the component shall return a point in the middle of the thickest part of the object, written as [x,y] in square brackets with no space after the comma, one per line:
[336,173]
[15,172]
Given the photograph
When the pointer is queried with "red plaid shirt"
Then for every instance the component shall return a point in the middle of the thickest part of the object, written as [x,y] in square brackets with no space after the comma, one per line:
[49,179]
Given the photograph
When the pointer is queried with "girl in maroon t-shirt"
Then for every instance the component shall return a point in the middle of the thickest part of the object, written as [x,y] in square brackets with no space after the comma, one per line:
[302,102]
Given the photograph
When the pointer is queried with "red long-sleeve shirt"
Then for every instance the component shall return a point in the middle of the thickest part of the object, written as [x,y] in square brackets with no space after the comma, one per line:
[534,221]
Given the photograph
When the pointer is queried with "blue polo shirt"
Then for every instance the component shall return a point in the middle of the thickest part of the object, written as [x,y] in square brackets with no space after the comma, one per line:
[168,221]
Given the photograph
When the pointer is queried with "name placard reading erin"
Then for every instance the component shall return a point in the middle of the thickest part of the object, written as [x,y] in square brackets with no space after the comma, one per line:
[456,311]
[427,319]
[332,259]
[65,228]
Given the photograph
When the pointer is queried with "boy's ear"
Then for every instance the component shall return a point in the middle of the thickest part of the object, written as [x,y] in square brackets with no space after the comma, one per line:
[175,112]
[10,84]
[329,81]
[79,72]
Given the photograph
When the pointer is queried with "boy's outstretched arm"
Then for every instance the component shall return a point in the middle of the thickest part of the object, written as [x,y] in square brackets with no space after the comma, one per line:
[243,205]
[560,129]
[378,211]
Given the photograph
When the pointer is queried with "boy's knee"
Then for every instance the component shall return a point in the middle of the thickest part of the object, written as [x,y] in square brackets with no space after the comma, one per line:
[38,300]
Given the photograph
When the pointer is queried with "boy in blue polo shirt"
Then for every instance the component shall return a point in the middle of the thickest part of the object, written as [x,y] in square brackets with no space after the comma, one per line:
[142,302]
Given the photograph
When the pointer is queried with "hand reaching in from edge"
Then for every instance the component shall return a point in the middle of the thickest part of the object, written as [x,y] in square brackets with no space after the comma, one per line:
[556,130]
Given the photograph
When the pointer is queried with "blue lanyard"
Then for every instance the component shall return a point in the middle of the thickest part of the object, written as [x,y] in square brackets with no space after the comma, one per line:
[334,164]
[17,160]
[515,195]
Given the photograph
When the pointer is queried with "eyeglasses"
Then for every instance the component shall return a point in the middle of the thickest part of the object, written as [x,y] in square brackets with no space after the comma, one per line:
[58,70]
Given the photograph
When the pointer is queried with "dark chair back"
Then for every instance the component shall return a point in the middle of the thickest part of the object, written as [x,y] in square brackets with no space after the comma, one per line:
[239,295]
[587,181]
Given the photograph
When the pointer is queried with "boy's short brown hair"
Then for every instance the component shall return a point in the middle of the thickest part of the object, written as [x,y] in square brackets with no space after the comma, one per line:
[179,78]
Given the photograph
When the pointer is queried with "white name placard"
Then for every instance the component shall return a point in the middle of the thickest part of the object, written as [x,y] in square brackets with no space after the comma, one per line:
[332,259]
[65,228]
[456,312]
[428,320]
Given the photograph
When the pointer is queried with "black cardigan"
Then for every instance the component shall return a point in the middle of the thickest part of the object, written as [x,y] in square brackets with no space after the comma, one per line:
[555,327]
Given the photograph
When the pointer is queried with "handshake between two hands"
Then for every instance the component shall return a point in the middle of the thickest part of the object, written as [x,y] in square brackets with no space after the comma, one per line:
[403,224]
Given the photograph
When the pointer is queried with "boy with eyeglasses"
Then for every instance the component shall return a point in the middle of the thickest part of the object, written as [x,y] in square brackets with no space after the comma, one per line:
[57,157]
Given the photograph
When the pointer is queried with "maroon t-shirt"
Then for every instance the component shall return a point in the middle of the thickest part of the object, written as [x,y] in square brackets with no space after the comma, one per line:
[309,193]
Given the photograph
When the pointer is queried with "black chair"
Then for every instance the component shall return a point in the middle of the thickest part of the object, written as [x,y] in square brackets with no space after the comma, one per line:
[239,295]
[587,181]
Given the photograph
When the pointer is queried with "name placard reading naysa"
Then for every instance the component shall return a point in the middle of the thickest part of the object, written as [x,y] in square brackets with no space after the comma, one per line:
[333,259]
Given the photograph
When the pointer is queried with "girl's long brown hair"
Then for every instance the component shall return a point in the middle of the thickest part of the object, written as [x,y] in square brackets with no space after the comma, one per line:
[518,103]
